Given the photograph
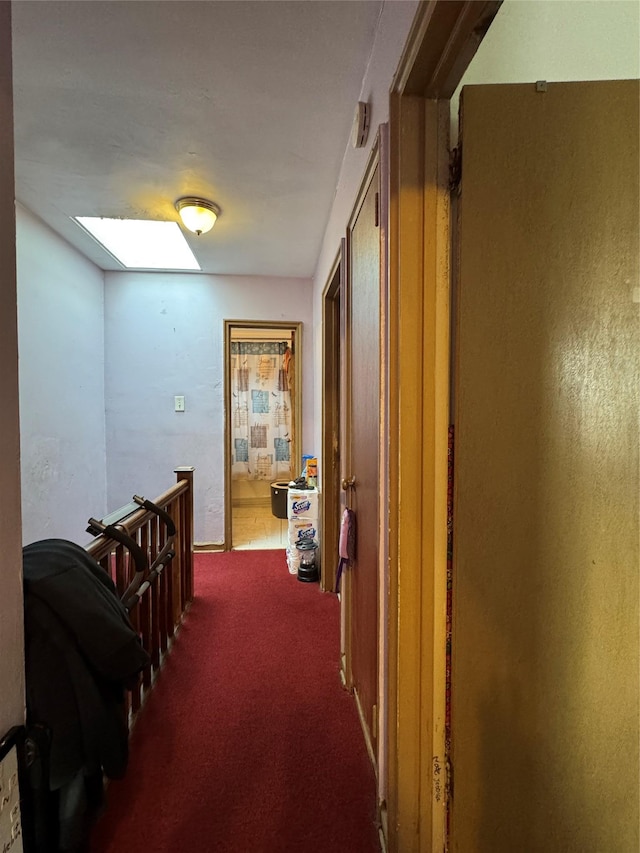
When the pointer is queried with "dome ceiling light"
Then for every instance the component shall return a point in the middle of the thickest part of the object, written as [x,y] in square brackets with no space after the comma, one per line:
[197,214]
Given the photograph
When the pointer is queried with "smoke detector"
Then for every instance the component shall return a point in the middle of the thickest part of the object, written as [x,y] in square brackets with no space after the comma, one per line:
[360,130]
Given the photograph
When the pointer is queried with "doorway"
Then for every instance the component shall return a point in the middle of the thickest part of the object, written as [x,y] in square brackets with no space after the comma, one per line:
[332,380]
[262,427]
[420,781]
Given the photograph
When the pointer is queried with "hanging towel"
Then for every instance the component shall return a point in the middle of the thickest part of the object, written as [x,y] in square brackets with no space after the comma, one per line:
[346,543]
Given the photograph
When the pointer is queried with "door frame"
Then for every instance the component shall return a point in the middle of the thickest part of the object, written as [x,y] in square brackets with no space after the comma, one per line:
[332,350]
[296,444]
[444,37]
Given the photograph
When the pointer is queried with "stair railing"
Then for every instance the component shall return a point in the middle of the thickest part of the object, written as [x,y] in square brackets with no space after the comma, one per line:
[158,612]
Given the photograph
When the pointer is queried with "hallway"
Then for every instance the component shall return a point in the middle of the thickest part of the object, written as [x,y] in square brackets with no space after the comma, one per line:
[247,741]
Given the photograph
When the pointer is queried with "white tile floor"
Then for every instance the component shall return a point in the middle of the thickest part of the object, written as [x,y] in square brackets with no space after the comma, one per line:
[256,527]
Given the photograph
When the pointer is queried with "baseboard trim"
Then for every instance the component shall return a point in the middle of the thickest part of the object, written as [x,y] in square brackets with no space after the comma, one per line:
[208,546]
[250,502]
[366,733]
[383,826]
[382,806]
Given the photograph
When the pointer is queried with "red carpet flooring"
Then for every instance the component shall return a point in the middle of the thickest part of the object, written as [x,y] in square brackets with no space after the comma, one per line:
[248,743]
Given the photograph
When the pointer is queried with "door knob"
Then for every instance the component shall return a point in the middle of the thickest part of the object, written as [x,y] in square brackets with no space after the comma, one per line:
[349,484]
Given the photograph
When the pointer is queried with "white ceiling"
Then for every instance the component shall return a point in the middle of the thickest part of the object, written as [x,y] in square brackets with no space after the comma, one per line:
[123,107]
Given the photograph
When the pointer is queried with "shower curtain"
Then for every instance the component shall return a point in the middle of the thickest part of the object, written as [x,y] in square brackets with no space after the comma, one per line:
[261,387]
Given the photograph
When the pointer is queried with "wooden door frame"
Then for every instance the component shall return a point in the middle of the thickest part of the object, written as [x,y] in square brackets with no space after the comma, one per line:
[442,42]
[230,325]
[332,345]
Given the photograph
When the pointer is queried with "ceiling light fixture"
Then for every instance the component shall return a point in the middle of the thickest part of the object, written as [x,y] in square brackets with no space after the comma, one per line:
[197,214]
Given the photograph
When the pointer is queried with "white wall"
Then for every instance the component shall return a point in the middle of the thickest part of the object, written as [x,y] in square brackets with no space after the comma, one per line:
[556,40]
[11,621]
[164,336]
[393,28]
[61,345]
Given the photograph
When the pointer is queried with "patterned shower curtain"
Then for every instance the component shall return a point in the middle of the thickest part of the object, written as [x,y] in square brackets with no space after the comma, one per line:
[262,377]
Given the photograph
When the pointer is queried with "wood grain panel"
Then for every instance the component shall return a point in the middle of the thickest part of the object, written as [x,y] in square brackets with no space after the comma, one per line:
[364,345]
[545,652]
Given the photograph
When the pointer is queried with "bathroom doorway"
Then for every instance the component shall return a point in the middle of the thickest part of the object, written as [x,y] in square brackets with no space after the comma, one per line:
[262,427]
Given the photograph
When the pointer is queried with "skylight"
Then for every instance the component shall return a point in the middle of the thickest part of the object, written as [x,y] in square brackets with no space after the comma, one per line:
[141,243]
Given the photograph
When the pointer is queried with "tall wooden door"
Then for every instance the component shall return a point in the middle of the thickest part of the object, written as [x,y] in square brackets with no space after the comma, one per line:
[546,515]
[361,464]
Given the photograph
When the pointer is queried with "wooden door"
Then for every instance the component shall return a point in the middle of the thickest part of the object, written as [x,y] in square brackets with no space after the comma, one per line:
[362,446]
[546,530]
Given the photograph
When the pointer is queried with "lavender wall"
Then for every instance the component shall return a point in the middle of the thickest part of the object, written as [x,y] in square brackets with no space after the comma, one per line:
[393,28]
[163,337]
[61,346]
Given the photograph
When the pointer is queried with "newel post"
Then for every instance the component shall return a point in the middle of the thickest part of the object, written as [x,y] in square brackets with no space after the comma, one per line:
[185,472]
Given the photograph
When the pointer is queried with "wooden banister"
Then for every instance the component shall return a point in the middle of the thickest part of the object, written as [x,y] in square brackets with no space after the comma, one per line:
[161,608]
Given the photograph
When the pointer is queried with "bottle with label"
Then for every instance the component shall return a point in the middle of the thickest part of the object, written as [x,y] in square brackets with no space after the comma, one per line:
[312,472]
[305,460]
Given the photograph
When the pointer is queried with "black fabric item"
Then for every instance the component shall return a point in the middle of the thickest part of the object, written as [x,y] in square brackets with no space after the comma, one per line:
[79,804]
[80,653]
[40,807]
